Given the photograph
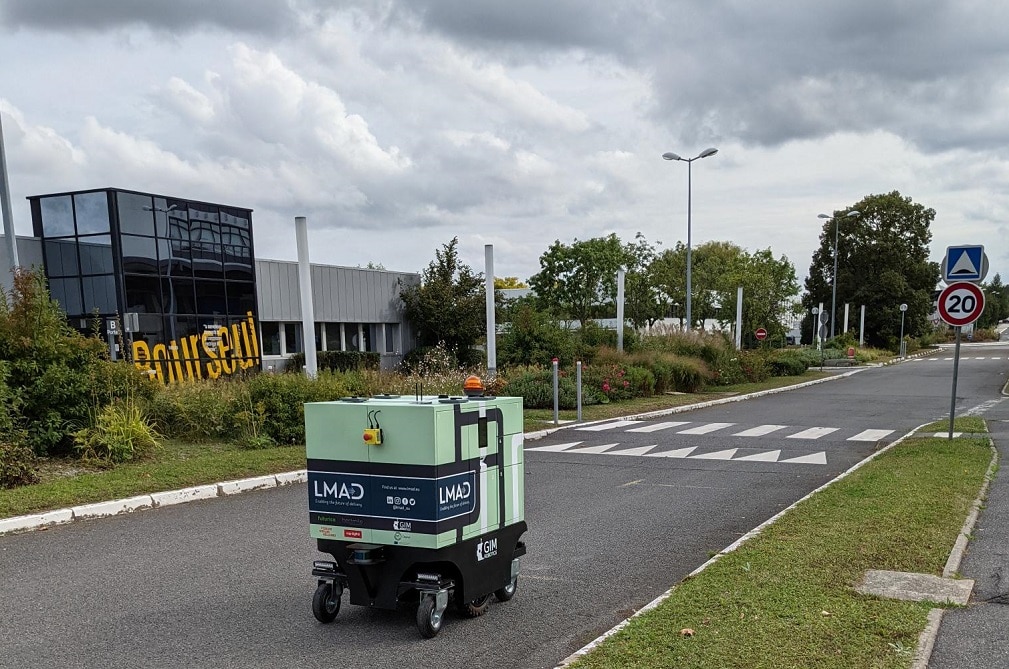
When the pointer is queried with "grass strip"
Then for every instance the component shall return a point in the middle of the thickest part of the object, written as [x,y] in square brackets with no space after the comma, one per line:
[179,466]
[967,424]
[786,599]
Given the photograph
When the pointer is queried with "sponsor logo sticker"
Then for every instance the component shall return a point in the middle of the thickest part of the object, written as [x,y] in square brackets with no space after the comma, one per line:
[486,549]
[353,534]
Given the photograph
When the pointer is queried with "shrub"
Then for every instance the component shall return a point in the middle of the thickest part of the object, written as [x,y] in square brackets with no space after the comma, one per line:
[18,463]
[786,363]
[753,365]
[283,396]
[535,387]
[534,338]
[120,433]
[198,410]
[688,374]
[336,361]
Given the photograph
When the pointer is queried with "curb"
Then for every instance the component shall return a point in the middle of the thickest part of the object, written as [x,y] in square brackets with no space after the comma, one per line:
[42,521]
[926,640]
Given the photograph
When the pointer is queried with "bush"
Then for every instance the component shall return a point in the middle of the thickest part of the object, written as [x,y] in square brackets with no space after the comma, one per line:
[534,338]
[688,374]
[198,410]
[282,397]
[336,361]
[535,387]
[786,363]
[120,433]
[18,464]
[52,367]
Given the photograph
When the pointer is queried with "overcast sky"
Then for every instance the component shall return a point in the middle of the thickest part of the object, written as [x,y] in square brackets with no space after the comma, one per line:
[395,125]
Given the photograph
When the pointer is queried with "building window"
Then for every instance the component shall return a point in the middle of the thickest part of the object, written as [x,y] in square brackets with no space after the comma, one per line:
[391,337]
[57,216]
[92,210]
[270,338]
[136,214]
[292,338]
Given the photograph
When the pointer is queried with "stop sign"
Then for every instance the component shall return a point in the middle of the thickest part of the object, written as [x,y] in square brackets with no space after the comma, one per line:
[760,334]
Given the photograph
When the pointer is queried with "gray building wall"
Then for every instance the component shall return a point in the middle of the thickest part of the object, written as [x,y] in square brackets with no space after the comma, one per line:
[349,301]
[29,255]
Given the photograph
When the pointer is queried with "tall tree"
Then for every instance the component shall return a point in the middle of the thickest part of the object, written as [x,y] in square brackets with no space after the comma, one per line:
[995,304]
[882,262]
[508,283]
[769,291]
[449,304]
[644,302]
[575,280]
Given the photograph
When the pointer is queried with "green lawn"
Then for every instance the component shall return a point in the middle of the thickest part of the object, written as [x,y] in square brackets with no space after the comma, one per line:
[786,599]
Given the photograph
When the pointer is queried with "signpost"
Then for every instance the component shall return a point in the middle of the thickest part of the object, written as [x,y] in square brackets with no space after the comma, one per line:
[964,263]
[960,303]
[760,334]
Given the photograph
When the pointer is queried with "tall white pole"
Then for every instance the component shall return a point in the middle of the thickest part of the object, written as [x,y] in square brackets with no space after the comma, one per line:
[861,329]
[307,308]
[620,309]
[846,316]
[488,255]
[5,208]
[739,317]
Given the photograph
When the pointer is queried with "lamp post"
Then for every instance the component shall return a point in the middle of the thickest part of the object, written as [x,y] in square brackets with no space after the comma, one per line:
[833,300]
[689,161]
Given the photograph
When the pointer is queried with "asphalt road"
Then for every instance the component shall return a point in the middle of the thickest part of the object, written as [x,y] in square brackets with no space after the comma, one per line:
[226,583]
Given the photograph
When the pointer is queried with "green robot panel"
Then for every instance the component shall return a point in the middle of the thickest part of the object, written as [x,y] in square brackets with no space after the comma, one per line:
[423,472]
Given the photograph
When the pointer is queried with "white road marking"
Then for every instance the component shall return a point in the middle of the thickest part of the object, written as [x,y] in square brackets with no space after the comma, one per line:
[769,456]
[706,428]
[813,433]
[556,447]
[607,426]
[814,459]
[678,453]
[659,426]
[760,431]
[946,434]
[596,449]
[717,455]
[870,435]
[632,451]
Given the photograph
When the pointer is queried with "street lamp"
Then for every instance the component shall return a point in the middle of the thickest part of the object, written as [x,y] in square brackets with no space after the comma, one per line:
[833,300]
[689,161]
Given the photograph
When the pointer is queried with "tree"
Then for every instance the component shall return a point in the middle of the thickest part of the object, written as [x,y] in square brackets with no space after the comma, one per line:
[882,261]
[508,283]
[644,302]
[996,305]
[769,291]
[448,305]
[575,280]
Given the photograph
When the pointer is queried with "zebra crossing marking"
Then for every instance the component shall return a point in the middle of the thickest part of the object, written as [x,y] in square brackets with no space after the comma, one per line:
[678,453]
[870,435]
[706,428]
[717,455]
[597,449]
[607,426]
[655,427]
[813,459]
[632,451]
[813,433]
[769,456]
[760,430]
[555,448]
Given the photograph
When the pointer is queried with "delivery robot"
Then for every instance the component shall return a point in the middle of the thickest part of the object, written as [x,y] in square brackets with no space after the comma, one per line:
[419,500]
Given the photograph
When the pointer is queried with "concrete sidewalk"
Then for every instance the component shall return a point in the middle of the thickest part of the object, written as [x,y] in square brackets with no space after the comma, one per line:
[977,636]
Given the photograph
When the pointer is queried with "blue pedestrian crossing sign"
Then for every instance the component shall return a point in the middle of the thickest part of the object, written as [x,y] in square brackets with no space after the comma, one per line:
[964,263]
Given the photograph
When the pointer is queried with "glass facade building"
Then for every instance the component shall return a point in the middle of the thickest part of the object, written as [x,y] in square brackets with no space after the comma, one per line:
[185,268]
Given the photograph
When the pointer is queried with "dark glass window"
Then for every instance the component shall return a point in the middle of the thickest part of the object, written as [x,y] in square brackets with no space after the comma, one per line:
[57,216]
[238,263]
[140,254]
[203,212]
[174,258]
[207,260]
[292,338]
[143,294]
[237,217]
[92,211]
[152,329]
[136,214]
[100,294]
[318,336]
[241,298]
[391,337]
[333,342]
[179,296]
[178,225]
[182,326]
[270,340]
[96,254]
[211,298]
[68,293]
[61,258]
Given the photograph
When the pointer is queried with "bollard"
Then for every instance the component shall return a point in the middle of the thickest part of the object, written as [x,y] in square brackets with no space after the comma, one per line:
[578,387]
[556,394]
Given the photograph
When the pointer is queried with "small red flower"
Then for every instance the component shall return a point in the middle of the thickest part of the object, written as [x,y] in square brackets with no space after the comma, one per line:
[606,387]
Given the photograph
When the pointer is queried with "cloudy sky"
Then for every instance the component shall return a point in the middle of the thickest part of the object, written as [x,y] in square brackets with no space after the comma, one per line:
[396,125]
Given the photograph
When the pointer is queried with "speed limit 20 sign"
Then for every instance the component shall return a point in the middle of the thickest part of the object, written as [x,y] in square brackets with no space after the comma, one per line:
[961,303]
